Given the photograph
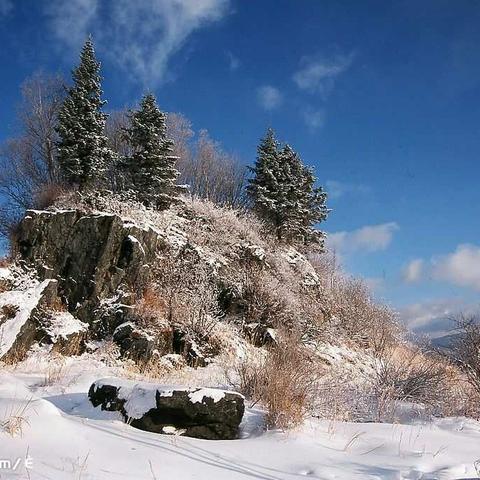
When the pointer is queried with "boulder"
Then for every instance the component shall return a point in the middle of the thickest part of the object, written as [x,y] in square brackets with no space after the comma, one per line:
[91,255]
[64,332]
[206,413]
[140,344]
[260,334]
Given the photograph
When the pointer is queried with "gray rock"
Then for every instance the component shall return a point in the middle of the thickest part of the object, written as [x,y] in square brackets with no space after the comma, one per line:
[139,344]
[210,414]
[91,256]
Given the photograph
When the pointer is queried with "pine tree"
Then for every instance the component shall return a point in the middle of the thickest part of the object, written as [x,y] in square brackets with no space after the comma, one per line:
[284,194]
[264,187]
[303,204]
[151,167]
[83,151]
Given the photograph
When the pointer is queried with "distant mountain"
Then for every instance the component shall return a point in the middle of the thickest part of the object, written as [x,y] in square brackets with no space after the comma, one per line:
[445,342]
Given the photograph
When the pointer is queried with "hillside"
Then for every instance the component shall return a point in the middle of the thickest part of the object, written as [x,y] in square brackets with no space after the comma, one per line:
[202,296]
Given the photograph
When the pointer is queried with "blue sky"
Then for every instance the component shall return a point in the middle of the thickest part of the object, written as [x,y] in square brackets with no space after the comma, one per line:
[381,97]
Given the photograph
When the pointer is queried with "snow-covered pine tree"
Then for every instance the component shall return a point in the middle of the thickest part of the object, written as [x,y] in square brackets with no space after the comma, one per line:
[83,151]
[264,186]
[303,204]
[284,194]
[151,167]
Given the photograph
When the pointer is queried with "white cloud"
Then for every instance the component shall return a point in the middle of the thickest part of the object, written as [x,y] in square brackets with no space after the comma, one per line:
[336,189]
[138,36]
[319,74]
[413,271]
[370,238]
[434,317]
[462,267]
[269,97]
[6,6]
[314,118]
[233,61]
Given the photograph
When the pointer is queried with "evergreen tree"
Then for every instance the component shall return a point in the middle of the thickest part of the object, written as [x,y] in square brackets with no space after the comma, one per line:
[284,194]
[83,151]
[303,204]
[264,187]
[151,167]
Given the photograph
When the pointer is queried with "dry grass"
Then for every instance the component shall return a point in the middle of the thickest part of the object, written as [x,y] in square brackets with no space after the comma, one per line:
[16,418]
[285,382]
[56,370]
[466,348]
[48,195]
[410,375]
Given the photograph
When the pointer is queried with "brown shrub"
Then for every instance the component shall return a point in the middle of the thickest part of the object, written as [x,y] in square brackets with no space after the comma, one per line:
[261,301]
[9,311]
[284,382]
[369,324]
[407,374]
[47,195]
[466,348]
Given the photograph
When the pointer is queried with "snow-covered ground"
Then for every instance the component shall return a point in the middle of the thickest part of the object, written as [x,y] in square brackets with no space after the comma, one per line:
[62,436]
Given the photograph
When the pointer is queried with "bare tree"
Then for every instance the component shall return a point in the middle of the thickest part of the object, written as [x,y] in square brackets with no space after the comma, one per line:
[466,347]
[117,122]
[180,131]
[28,168]
[210,172]
[42,96]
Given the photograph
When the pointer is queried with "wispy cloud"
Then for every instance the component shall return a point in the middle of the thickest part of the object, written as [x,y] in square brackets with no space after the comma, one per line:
[370,238]
[318,75]
[233,61]
[72,21]
[413,271]
[6,6]
[269,97]
[337,189]
[314,119]
[138,36]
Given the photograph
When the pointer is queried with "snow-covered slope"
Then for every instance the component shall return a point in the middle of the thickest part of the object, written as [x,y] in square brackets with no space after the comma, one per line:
[63,437]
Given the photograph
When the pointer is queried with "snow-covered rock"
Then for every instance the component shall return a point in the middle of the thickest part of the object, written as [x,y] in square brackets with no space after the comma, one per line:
[302,265]
[19,327]
[207,413]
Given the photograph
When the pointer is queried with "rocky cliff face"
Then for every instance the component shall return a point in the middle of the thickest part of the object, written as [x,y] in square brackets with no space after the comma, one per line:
[93,257]
[211,261]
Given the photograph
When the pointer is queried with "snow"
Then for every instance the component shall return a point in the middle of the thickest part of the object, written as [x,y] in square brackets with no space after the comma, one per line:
[26,299]
[50,212]
[199,395]
[64,324]
[5,273]
[65,437]
[138,401]
[297,260]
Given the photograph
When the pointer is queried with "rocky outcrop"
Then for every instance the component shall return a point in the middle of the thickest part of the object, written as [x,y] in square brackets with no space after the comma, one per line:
[20,313]
[206,413]
[93,256]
